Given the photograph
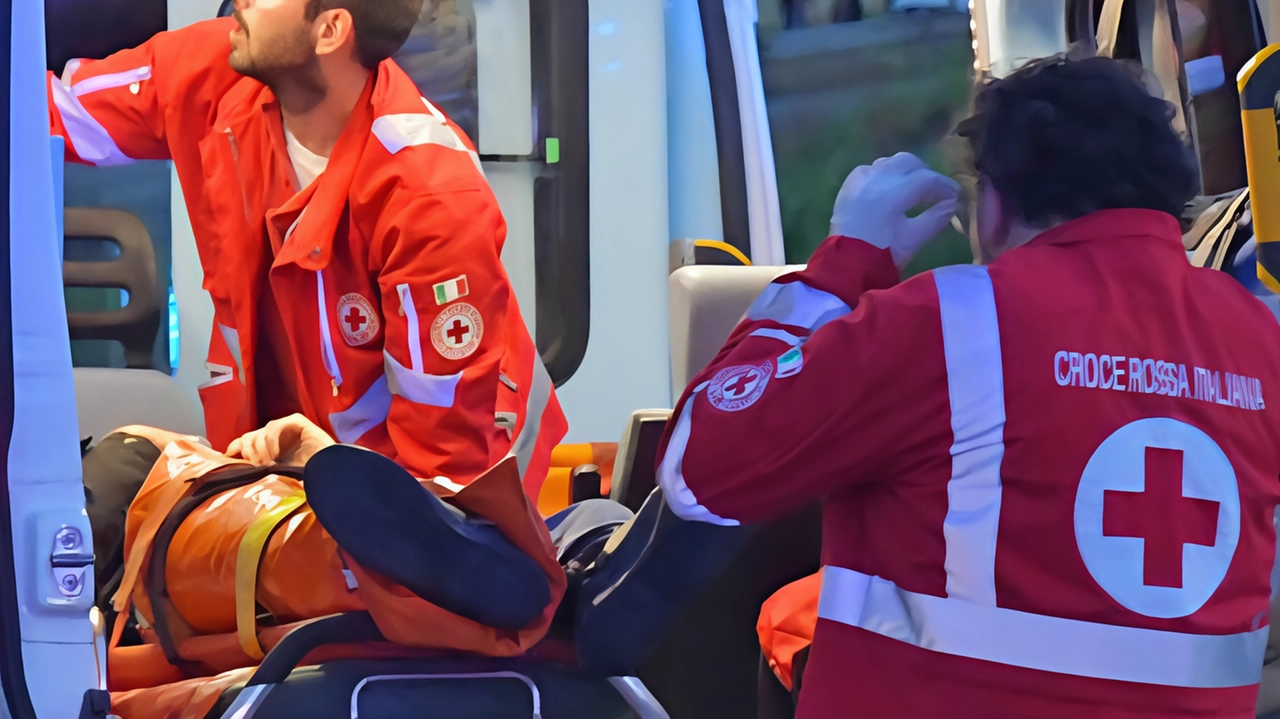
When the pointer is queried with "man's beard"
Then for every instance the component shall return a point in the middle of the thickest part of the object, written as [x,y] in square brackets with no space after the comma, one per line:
[292,64]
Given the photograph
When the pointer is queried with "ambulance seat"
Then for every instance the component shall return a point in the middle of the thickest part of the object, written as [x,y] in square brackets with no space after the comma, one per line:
[634,473]
[136,324]
[107,399]
[707,302]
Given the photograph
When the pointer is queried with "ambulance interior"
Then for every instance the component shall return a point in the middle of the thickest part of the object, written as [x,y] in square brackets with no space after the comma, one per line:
[657,163]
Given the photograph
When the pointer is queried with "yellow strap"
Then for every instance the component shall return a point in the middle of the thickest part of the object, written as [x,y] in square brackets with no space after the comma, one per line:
[725,247]
[251,547]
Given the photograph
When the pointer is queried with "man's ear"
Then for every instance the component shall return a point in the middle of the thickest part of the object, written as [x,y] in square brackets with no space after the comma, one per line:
[334,30]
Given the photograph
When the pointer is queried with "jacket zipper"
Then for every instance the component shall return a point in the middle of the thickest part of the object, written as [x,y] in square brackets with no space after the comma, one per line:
[235,157]
[410,312]
[326,337]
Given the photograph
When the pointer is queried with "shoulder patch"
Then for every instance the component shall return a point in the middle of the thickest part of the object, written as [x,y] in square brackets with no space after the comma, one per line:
[734,389]
[457,331]
[357,319]
[790,363]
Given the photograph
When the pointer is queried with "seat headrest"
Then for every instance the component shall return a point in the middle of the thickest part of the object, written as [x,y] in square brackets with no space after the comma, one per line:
[135,325]
[707,302]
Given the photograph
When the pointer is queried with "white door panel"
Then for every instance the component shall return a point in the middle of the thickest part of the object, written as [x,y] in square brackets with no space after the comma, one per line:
[504,77]
[627,360]
[512,183]
[694,172]
[44,483]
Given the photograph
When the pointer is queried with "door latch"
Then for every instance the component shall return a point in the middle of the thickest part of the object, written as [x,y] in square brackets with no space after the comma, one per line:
[70,562]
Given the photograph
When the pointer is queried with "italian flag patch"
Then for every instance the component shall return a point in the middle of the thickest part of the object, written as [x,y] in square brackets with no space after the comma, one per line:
[454,289]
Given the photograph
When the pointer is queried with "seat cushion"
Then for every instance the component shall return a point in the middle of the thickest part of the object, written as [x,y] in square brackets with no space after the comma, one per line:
[107,399]
[391,689]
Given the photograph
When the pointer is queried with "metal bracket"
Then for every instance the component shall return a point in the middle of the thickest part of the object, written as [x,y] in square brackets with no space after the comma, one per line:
[70,562]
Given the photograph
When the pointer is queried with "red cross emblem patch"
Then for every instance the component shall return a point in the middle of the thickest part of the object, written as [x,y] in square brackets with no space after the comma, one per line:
[457,331]
[357,319]
[1158,517]
[736,388]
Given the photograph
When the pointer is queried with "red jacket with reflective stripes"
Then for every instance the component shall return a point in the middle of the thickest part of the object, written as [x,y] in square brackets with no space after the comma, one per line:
[1049,482]
[406,335]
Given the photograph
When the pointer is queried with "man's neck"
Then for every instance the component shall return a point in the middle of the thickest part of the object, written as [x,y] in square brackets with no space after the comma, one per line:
[316,119]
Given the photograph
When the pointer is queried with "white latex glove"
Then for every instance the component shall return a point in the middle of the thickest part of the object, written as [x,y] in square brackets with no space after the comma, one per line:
[873,203]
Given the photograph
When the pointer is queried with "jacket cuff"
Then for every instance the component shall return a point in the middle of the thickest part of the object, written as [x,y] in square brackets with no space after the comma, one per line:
[848,267]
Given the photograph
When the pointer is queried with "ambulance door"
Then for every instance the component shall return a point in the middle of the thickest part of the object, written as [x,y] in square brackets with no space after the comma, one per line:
[48,652]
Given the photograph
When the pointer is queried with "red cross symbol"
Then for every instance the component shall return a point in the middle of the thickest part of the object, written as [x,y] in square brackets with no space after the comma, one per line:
[355,318]
[1161,517]
[740,385]
[458,331]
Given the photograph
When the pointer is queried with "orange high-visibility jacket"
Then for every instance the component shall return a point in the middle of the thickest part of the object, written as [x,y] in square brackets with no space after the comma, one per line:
[201,601]
[405,332]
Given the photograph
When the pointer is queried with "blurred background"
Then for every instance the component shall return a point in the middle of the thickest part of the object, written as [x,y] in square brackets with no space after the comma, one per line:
[848,81]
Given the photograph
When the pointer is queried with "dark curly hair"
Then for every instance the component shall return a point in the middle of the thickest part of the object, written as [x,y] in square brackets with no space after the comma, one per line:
[381,26]
[1063,138]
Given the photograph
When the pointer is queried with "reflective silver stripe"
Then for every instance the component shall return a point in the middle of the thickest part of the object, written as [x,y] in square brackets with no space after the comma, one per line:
[671,472]
[368,412]
[1034,641]
[411,318]
[526,442]
[248,702]
[419,387]
[110,81]
[396,132]
[232,338]
[798,305]
[90,140]
[218,374]
[326,337]
[975,384]
[780,335]
[69,72]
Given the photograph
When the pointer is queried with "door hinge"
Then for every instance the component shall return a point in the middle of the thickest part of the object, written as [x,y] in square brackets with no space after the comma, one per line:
[70,562]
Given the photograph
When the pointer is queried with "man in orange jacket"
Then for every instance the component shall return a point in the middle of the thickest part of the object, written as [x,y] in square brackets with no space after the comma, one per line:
[349,240]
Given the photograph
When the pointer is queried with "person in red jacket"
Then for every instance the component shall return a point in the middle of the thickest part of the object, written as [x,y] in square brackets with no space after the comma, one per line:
[351,247]
[349,240]
[1049,479]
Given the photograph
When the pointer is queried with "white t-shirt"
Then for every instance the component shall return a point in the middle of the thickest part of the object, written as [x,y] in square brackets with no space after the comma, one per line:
[307,164]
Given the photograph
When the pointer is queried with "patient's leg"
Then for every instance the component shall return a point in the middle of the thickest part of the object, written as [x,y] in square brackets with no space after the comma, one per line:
[114,470]
[379,514]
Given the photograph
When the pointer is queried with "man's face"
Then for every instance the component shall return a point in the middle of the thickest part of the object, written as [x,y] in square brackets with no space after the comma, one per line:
[274,40]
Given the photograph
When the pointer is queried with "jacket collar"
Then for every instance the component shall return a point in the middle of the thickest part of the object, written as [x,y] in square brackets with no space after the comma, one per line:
[1111,224]
[318,209]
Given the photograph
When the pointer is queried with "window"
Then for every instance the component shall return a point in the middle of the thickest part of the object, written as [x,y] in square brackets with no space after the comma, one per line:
[848,81]
[440,56]
[77,28]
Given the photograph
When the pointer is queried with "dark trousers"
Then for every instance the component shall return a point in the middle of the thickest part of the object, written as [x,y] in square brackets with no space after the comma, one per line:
[114,471]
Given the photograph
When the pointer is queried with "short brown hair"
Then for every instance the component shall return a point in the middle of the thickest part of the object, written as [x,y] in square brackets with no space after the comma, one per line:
[381,26]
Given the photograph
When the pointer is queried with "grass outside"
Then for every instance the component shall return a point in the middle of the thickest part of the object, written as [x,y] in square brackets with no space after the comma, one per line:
[900,96]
